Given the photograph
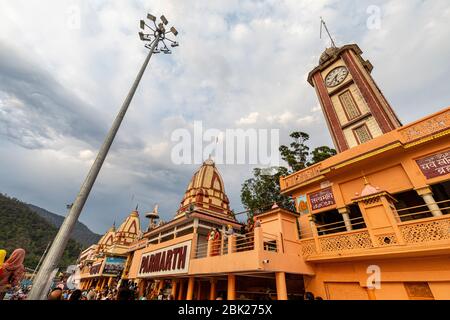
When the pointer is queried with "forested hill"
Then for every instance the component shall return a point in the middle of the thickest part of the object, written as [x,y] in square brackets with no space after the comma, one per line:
[80,233]
[20,227]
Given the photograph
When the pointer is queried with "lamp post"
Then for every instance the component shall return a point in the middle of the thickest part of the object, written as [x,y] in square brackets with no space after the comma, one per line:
[156,42]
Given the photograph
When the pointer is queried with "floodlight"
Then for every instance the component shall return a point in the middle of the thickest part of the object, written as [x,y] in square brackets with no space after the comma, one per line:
[141,35]
[174,31]
[164,20]
[142,24]
[151,17]
[174,44]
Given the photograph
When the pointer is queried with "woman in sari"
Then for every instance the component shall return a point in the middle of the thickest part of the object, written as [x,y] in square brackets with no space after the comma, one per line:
[11,272]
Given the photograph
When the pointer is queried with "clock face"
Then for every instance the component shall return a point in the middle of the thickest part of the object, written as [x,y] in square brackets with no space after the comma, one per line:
[336,76]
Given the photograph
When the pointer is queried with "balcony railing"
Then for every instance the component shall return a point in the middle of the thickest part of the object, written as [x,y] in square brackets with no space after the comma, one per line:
[236,243]
[431,230]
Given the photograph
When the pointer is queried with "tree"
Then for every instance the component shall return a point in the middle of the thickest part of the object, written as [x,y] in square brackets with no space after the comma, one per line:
[320,154]
[263,190]
[297,155]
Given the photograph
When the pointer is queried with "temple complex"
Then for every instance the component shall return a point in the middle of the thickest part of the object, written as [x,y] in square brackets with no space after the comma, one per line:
[372,222]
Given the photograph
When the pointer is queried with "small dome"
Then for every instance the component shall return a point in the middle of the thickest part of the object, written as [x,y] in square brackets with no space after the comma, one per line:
[369,190]
[328,54]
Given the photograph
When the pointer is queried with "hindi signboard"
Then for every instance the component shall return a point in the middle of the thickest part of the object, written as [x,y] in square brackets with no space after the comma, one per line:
[114,266]
[167,261]
[435,165]
[322,199]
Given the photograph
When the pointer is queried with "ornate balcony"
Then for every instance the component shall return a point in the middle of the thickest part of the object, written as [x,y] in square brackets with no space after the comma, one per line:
[427,234]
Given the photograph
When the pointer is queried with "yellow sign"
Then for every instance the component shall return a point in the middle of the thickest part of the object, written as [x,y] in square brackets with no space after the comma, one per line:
[2,256]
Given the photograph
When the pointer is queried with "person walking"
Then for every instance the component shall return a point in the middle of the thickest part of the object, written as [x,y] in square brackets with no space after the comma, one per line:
[12,271]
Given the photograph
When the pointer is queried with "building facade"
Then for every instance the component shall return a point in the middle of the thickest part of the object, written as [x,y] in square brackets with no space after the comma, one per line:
[372,222]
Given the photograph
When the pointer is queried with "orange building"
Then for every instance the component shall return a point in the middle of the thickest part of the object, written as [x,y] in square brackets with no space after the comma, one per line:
[372,222]
[375,220]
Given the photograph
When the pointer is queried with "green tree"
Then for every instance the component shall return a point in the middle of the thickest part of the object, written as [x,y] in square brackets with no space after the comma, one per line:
[263,190]
[297,154]
[320,154]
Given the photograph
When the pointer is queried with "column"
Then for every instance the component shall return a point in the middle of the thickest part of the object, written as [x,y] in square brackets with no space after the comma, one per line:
[102,283]
[180,291]
[231,243]
[315,233]
[161,285]
[371,294]
[231,292]
[199,290]
[345,212]
[258,239]
[174,289]
[280,279]
[213,290]
[427,196]
[110,282]
[141,286]
[190,289]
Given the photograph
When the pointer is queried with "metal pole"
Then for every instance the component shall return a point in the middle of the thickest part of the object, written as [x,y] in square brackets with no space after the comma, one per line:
[40,287]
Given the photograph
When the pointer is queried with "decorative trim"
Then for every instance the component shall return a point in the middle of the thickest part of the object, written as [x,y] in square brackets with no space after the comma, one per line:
[368,94]
[330,113]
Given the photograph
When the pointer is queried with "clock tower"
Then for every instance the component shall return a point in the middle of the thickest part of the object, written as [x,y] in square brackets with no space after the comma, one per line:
[354,107]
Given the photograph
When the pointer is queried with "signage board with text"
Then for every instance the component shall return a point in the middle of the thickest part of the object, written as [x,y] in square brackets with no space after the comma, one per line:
[322,199]
[167,261]
[435,165]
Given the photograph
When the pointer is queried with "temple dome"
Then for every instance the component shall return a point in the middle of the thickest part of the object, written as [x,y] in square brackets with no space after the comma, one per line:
[206,190]
[107,239]
[129,230]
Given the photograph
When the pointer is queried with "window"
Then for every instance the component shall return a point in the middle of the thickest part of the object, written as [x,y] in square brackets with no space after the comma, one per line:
[362,134]
[348,103]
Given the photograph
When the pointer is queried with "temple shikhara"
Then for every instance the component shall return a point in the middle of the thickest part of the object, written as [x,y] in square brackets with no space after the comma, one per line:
[372,222]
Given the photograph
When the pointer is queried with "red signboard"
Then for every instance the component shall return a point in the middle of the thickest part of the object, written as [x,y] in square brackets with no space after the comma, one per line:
[322,199]
[436,165]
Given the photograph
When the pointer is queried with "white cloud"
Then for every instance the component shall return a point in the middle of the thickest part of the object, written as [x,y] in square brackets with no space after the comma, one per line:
[252,118]
[239,63]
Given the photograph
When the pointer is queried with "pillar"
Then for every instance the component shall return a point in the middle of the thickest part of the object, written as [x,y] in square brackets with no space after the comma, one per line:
[371,294]
[231,292]
[161,285]
[258,239]
[174,289]
[110,282]
[427,196]
[213,290]
[199,290]
[345,213]
[180,290]
[190,289]
[141,286]
[280,279]
[231,243]
[315,233]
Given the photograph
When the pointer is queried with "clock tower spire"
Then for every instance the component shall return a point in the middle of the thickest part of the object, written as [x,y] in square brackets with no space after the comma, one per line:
[354,107]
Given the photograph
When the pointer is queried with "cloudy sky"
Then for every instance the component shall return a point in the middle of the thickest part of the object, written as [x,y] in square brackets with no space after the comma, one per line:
[67,65]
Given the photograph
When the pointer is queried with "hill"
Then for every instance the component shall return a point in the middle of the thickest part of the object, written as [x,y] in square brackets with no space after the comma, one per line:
[20,227]
[81,232]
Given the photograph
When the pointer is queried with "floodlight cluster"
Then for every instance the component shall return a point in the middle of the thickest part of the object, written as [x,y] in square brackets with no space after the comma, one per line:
[158,38]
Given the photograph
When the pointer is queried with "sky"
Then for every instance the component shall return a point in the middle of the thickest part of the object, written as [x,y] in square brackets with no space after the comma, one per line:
[66,66]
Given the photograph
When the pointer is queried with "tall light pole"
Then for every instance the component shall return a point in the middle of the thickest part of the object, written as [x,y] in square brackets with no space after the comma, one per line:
[156,42]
